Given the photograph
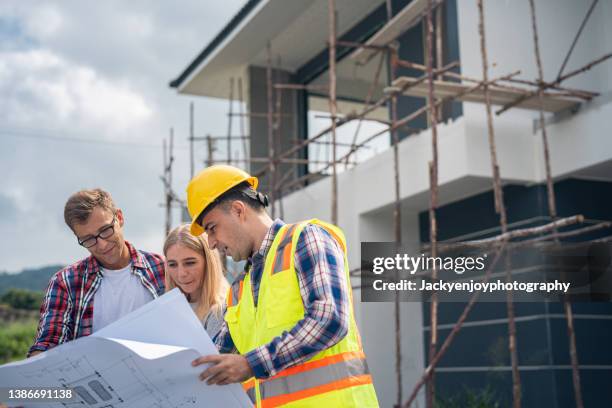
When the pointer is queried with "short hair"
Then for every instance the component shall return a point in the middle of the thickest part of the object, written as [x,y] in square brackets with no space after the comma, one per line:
[242,192]
[81,204]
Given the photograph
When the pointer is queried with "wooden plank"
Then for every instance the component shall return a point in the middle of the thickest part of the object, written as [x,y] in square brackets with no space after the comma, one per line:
[499,96]
[407,18]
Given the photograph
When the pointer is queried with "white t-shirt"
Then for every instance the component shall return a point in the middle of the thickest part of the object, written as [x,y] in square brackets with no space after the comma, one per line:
[120,292]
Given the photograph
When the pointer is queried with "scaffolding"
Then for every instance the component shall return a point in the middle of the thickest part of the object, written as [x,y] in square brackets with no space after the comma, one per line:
[439,85]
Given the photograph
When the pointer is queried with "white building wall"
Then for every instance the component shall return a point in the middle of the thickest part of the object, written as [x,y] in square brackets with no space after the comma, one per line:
[577,142]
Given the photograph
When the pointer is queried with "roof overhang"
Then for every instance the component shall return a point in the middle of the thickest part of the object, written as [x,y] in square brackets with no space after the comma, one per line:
[297,30]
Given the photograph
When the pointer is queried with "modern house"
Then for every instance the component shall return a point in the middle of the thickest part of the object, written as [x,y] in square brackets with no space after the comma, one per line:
[580,147]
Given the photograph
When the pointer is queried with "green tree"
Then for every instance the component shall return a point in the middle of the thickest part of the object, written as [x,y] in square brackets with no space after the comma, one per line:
[22,299]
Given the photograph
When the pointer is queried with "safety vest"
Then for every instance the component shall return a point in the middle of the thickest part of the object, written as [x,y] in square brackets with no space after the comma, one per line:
[335,377]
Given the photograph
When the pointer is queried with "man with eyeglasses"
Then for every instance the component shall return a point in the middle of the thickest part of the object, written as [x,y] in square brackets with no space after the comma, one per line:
[116,279]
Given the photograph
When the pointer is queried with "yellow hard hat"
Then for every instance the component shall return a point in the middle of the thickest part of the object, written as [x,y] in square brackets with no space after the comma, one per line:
[210,184]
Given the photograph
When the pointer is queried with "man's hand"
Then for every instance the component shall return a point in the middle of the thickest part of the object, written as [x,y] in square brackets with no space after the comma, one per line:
[224,369]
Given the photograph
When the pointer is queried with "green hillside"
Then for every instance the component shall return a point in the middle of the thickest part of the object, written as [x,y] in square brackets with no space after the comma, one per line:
[31,279]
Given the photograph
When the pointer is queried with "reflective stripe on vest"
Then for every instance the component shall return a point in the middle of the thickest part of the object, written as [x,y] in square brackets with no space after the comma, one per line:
[340,368]
[235,293]
[249,388]
[282,258]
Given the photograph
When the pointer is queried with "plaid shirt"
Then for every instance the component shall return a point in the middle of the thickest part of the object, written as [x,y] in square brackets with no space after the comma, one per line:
[319,263]
[67,309]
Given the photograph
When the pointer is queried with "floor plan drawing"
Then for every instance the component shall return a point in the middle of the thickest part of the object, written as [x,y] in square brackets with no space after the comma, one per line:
[115,372]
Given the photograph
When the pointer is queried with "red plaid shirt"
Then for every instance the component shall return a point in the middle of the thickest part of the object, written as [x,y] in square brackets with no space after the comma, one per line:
[66,312]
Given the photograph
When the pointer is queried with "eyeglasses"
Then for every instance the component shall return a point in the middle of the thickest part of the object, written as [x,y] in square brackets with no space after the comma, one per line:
[106,232]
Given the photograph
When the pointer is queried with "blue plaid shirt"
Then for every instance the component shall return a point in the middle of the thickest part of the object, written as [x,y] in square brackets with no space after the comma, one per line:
[319,263]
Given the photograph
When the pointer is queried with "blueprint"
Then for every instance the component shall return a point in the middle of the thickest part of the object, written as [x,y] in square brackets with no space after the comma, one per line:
[142,360]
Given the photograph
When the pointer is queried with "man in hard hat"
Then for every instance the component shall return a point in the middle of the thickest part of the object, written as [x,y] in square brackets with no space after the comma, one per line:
[114,280]
[290,313]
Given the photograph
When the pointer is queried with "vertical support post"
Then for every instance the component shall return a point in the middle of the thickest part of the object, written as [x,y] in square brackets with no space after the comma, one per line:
[271,150]
[439,50]
[245,149]
[230,120]
[210,149]
[278,138]
[500,209]
[397,217]
[331,5]
[433,203]
[168,161]
[191,139]
[552,206]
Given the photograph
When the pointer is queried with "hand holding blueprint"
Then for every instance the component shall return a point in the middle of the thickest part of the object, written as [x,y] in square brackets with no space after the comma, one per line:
[142,360]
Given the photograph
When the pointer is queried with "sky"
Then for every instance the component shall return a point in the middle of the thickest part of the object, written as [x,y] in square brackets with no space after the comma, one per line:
[84,103]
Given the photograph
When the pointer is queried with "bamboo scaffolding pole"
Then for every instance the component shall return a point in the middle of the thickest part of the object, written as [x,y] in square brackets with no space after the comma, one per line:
[439,51]
[420,67]
[324,142]
[270,118]
[552,207]
[289,160]
[567,234]
[300,87]
[167,179]
[229,121]
[576,37]
[451,336]
[507,237]
[397,210]
[513,234]
[433,201]
[210,150]
[263,115]
[341,121]
[204,138]
[277,135]
[381,121]
[353,44]
[577,93]
[500,208]
[399,123]
[548,85]
[331,4]
[191,140]
[243,136]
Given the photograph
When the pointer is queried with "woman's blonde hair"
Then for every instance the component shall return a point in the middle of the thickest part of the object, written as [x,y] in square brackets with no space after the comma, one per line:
[214,284]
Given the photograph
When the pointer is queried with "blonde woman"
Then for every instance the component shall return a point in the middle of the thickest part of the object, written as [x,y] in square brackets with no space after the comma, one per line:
[196,270]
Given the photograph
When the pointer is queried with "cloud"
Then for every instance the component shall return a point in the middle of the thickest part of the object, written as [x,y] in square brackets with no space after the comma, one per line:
[50,90]
[95,71]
